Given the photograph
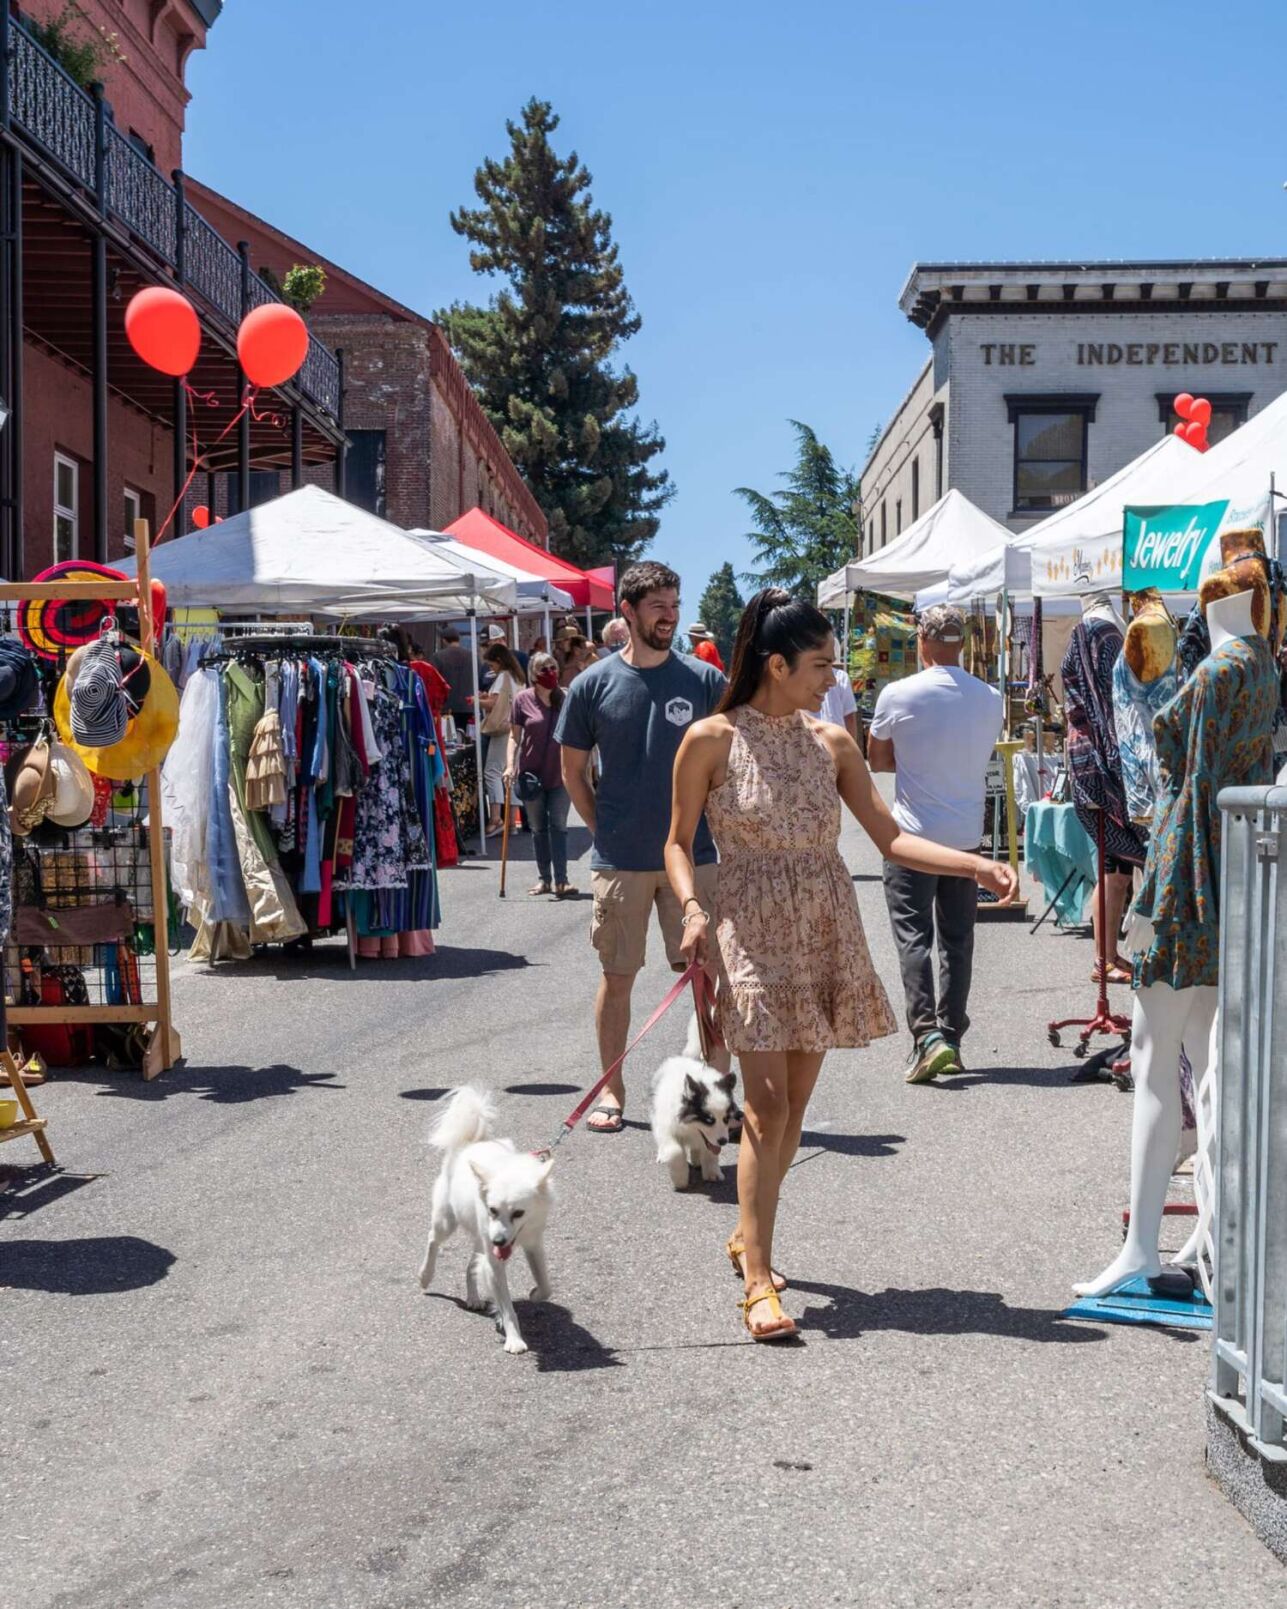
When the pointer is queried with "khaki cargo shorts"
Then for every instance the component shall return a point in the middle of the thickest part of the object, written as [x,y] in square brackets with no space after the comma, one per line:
[623,904]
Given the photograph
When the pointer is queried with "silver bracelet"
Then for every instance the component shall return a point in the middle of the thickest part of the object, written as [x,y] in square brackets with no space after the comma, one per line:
[692,917]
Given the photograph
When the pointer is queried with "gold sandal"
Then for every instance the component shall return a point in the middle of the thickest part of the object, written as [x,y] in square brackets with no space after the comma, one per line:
[735,1246]
[780,1326]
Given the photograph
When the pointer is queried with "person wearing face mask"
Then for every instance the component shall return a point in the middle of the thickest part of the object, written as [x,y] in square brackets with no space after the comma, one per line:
[534,769]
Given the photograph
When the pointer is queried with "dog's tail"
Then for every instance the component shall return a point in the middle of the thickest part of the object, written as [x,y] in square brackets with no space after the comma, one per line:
[470,1116]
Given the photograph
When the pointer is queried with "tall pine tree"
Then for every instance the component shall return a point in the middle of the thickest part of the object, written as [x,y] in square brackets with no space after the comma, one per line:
[539,353]
[809,528]
[720,610]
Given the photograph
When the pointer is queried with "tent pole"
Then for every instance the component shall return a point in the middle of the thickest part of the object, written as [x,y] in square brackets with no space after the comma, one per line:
[513,631]
[589,623]
[1003,657]
[545,621]
[478,734]
[844,647]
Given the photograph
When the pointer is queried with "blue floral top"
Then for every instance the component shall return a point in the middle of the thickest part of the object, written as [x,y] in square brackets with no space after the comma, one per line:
[1135,703]
[1215,733]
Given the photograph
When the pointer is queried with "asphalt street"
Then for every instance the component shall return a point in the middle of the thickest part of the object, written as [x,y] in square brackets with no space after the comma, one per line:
[224,1387]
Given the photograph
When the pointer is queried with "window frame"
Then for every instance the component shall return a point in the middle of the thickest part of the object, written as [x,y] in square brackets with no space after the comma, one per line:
[1235,402]
[916,489]
[1022,404]
[128,493]
[71,513]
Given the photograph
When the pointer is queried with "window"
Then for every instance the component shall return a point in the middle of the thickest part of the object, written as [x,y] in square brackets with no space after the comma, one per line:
[1228,411]
[898,517]
[142,146]
[1050,435]
[884,537]
[133,511]
[66,508]
[916,488]
[265,484]
[364,471]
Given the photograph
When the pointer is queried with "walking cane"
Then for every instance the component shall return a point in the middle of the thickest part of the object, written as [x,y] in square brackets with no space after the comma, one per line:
[505,838]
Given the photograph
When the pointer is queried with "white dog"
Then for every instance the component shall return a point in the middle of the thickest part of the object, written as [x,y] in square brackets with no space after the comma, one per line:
[692,1108]
[496,1194]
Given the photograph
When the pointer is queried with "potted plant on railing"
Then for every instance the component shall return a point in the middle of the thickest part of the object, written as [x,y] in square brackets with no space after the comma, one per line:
[79,54]
[299,287]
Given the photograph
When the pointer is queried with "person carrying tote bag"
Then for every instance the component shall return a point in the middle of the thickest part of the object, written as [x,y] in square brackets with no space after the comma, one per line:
[534,766]
[497,702]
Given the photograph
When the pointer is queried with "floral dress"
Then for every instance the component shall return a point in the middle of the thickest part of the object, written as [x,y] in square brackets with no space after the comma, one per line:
[1215,733]
[1135,703]
[388,835]
[795,971]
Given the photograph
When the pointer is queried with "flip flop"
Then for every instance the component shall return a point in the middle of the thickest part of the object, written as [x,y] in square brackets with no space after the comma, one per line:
[605,1128]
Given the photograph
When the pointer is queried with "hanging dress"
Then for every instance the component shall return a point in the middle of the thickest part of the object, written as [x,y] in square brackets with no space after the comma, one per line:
[1094,761]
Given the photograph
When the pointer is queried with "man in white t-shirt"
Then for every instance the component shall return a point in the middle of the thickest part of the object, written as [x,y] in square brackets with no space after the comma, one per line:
[839,705]
[936,732]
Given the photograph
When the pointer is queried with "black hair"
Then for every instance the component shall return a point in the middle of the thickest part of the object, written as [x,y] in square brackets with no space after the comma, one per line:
[774,623]
[449,634]
[500,654]
[641,579]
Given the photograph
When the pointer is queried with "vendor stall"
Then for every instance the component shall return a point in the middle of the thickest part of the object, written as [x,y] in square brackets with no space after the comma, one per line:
[589,590]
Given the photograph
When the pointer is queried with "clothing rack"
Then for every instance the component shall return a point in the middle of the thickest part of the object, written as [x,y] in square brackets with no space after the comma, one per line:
[164,1047]
[265,645]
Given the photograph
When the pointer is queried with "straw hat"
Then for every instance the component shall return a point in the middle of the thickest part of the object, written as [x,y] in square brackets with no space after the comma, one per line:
[30,784]
[148,735]
[73,801]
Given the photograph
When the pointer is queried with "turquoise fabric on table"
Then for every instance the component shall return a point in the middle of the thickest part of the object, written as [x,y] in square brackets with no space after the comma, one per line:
[1056,843]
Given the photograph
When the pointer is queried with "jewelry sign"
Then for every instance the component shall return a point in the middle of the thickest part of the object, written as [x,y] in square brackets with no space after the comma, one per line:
[1164,547]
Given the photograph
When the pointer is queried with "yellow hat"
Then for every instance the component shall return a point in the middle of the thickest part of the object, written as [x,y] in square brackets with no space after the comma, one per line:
[147,738]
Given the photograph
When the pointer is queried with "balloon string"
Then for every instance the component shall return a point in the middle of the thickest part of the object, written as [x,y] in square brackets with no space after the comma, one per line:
[196,465]
[274,419]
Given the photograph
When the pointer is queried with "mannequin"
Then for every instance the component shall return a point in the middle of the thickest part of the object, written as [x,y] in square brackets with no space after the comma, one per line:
[1144,679]
[1215,733]
[1095,765]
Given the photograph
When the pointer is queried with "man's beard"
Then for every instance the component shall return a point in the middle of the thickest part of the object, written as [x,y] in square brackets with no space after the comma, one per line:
[660,637]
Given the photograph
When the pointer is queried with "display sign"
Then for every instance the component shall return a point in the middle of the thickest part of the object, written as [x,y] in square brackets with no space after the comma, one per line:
[1072,569]
[1164,547]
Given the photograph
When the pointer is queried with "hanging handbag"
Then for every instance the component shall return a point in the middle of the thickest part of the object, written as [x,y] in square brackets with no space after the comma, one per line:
[528,784]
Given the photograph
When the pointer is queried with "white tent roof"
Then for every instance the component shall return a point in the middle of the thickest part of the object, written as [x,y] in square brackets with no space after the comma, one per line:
[534,591]
[1161,474]
[1240,467]
[310,552]
[952,531]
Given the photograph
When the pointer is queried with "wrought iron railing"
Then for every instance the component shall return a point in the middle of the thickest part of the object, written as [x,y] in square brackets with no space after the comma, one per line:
[64,124]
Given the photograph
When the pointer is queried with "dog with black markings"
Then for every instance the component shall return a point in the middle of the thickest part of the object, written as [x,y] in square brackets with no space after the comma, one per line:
[693,1113]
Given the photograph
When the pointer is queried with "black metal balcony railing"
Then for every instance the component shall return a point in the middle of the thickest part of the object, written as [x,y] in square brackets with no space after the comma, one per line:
[64,122]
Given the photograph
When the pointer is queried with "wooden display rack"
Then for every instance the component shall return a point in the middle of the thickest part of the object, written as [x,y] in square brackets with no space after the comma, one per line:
[164,1047]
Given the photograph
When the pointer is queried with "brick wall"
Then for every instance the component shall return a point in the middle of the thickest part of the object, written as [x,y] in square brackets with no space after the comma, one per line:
[146,89]
[58,416]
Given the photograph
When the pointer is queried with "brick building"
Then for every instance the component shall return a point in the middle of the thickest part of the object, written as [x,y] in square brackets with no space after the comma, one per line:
[92,209]
[1046,378]
[421,451]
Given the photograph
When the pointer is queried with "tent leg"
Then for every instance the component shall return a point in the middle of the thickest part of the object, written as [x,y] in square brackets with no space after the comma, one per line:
[545,621]
[844,642]
[513,632]
[589,624]
[478,735]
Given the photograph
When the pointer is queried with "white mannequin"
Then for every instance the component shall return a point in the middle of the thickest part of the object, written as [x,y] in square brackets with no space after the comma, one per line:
[1102,606]
[1165,1019]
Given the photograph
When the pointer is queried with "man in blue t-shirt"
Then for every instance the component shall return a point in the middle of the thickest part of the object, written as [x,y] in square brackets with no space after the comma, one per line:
[634,707]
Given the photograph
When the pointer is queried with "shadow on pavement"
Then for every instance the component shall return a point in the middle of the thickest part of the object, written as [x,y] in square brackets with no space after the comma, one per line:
[542,1089]
[26,1190]
[93,1266]
[1035,1077]
[226,1086]
[559,1344]
[423,1094]
[936,1311]
[328,961]
[851,1144]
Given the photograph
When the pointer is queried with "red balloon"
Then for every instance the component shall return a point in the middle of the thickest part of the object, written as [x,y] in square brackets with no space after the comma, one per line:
[1200,412]
[1195,434]
[1179,431]
[160,603]
[1182,405]
[218,519]
[271,344]
[201,514]
[163,329]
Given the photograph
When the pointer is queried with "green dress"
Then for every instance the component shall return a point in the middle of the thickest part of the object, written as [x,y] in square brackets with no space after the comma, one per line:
[1217,732]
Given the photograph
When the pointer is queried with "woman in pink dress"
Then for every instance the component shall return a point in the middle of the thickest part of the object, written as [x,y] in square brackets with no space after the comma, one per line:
[795,974]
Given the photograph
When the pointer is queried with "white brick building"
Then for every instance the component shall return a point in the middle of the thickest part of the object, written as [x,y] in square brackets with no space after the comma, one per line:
[1045,378]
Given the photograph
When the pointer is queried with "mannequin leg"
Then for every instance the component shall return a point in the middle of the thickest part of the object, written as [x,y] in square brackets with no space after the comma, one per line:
[1198,1252]
[1163,1020]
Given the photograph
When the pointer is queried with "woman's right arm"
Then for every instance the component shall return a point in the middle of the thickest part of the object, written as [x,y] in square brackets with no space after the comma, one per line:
[695,766]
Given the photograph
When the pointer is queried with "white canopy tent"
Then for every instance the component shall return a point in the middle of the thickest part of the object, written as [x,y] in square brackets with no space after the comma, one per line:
[312,553]
[536,595]
[952,531]
[1092,524]
[1243,466]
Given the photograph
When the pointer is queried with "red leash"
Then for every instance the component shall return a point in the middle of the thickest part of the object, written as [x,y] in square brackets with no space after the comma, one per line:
[701,999]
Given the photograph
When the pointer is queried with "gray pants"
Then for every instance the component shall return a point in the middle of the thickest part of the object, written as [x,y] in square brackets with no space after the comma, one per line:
[918,903]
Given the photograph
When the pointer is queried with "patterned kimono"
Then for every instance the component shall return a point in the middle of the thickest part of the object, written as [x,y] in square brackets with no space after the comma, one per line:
[1094,761]
[1135,703]
[1215,733]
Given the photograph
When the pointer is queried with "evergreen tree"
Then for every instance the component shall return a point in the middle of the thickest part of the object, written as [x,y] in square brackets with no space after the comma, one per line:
[720,610]
[539,353]
[808,529]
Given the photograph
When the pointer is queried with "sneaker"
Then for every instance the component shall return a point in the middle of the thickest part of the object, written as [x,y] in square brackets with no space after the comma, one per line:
[932,1056]
[956,1065]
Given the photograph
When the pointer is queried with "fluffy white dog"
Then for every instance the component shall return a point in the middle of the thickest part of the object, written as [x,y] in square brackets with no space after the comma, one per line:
[499,1196]
[692,1108]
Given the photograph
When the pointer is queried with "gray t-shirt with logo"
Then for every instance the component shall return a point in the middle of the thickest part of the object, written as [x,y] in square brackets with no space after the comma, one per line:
[637,720]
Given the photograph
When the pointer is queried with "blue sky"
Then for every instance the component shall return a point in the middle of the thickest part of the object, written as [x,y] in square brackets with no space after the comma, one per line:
[772,173]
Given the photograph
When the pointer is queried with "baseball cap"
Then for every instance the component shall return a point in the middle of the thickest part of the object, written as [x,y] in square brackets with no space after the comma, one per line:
[496,634]
[942,622]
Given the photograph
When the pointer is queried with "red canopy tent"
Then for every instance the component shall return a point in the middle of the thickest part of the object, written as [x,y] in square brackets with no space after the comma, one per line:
[480,531]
